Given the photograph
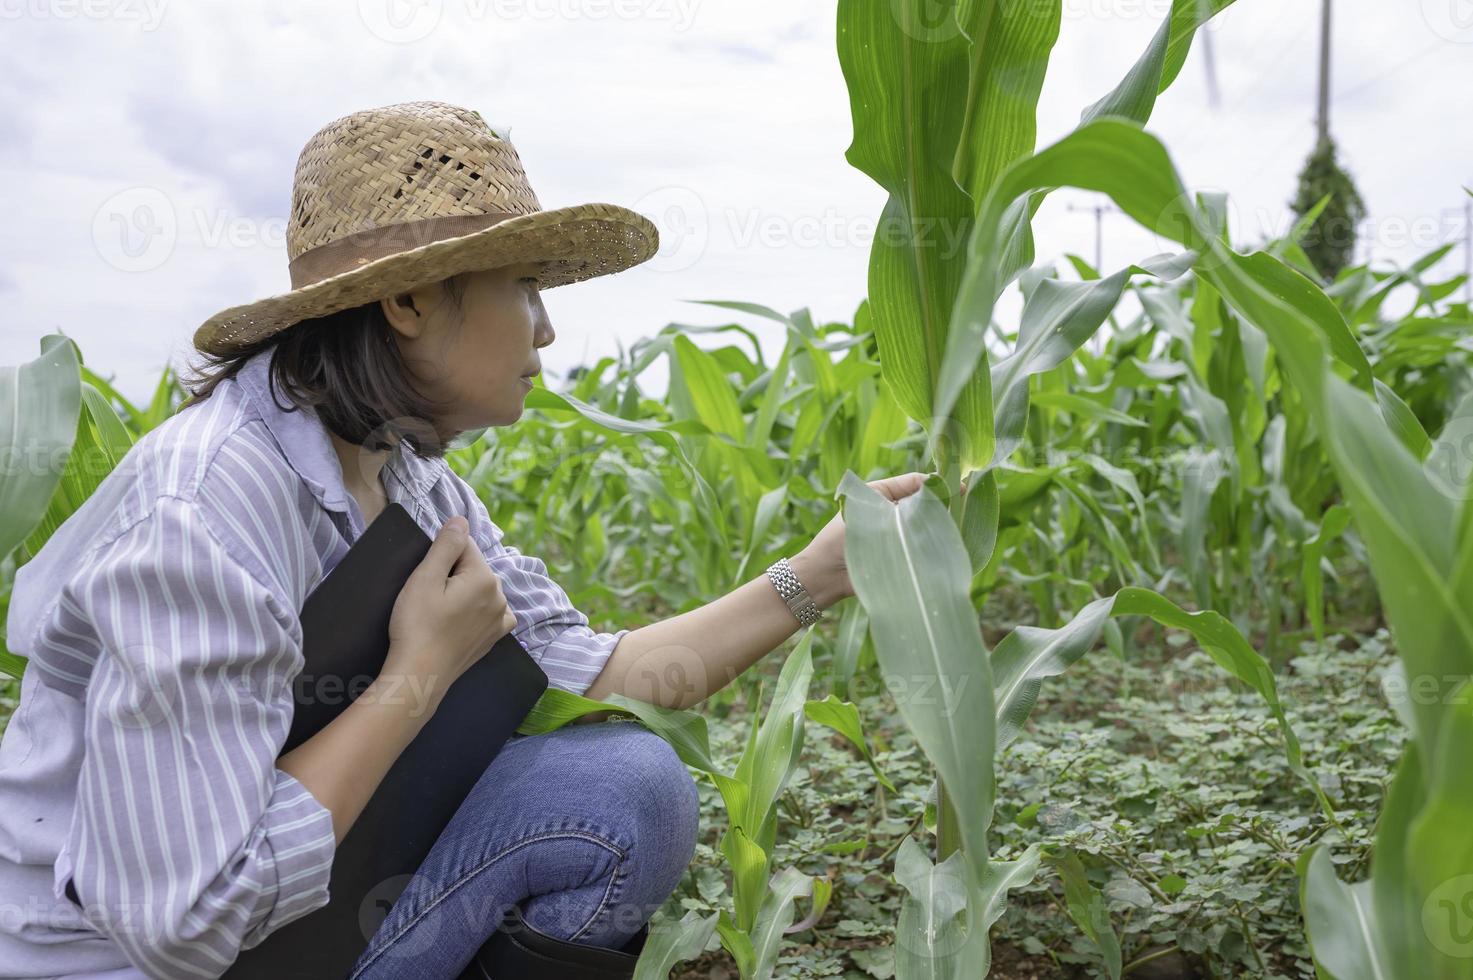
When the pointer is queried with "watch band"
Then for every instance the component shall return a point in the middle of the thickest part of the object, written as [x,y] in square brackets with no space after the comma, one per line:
[781,574]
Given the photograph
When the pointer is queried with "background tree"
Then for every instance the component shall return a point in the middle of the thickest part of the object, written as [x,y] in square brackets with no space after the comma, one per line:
[1330,241]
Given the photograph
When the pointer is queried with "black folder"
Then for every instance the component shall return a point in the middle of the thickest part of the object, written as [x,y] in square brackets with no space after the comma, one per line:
[345,624]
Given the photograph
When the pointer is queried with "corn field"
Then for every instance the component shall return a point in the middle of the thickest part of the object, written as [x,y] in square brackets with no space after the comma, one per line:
[1210,452]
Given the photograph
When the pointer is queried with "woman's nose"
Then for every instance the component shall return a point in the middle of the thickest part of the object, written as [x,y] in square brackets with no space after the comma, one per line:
[545,334]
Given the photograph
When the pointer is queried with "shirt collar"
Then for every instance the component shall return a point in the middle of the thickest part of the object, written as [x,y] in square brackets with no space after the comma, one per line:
[307,446]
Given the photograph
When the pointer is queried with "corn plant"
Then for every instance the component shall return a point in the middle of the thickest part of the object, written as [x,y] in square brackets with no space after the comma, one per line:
[1408,506]
[763,901]
[941,111]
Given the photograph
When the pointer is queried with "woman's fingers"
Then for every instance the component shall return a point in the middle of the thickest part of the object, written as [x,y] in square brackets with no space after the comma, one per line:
[896,487]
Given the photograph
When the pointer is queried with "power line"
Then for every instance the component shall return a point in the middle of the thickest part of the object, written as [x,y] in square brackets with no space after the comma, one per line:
[1436,46]
[1264,77]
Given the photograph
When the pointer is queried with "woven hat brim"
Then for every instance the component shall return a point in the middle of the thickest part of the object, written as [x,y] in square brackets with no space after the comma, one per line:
[579,242]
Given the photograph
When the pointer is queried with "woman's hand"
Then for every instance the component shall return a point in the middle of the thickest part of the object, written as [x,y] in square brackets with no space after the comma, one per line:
[449,613]
[821,566]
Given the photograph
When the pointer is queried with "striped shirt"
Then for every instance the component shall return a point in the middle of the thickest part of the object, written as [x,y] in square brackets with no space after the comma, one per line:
[161,625]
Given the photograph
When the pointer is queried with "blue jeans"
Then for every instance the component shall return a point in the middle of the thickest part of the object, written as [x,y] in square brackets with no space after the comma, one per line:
[588,828]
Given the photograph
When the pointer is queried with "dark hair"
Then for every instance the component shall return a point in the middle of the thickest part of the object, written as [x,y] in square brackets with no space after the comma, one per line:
[348,366]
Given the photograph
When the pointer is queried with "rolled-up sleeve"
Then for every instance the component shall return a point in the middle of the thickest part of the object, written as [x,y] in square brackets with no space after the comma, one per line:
[553,631]
[187,844]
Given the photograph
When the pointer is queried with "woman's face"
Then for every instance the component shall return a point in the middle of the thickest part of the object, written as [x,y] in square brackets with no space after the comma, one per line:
[477,358]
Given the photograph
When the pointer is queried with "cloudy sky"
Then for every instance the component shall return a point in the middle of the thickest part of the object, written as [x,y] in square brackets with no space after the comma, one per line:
[149,144]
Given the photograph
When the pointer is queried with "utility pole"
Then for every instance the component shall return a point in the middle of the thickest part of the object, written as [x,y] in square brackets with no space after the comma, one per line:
[1331,241]
[1099,211]
[1324,109]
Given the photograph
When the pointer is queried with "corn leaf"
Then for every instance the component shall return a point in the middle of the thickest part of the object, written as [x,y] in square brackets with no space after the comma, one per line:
[1340,921]
[1086,906]
[43,400]
[908,89]
[910,570]
[1135,96]
[1108,156]
[684,730]
[1009,54]
[748,862]
[843,717]
[669,943]
[786,887]
[947,913]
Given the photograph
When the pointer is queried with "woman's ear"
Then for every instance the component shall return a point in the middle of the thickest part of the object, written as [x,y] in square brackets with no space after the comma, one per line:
[403,311]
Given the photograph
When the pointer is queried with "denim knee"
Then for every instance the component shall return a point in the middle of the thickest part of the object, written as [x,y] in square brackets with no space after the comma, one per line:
[643,802]
[662,806]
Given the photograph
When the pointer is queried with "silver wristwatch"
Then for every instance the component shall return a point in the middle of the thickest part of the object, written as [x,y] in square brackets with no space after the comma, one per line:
[781,574]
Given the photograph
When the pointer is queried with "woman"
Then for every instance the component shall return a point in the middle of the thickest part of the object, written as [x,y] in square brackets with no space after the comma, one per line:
[148,827]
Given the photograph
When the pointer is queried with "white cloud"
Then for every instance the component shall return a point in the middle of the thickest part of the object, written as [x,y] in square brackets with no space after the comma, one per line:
[740,108]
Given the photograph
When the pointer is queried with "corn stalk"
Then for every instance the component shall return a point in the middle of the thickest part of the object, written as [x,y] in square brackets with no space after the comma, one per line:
[942,107]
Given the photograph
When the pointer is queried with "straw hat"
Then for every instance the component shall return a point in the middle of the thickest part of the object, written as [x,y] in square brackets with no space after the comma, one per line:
[392,198]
